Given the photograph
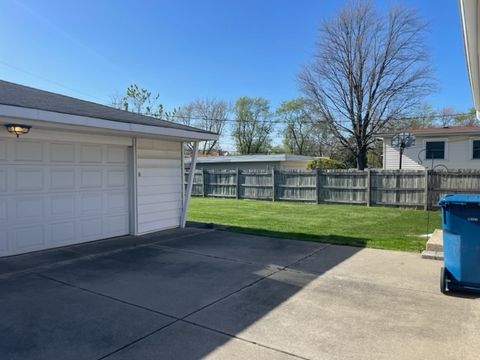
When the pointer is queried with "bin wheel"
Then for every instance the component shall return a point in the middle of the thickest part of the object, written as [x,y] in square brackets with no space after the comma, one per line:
[443,280]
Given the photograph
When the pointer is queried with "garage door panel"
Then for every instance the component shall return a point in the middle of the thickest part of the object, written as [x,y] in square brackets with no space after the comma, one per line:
[62,152]
[90,153]
[28,179]
[117,177]
[91,178]
[3,150]
[62,233]
[3,180]
[90,203]
[114,224]
[3,209]
[62,179]
[28,207]
[54,193]
[116,154]
[26,150]
[91,229]
[3,241]
[29,238]
[62,205]
[117,200]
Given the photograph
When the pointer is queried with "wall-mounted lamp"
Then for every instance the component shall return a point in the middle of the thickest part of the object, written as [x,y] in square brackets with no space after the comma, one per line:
[18,129]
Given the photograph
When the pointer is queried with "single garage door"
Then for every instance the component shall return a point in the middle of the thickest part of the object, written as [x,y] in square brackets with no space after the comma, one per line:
[55,193]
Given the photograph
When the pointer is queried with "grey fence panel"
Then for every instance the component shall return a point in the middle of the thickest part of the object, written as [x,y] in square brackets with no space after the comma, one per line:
[220,183]
[296,185]
[452,182]
[256,184]
[343,186]
[398,187]
[406,188]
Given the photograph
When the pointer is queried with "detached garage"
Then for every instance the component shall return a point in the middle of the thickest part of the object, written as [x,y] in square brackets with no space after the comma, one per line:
[73,171]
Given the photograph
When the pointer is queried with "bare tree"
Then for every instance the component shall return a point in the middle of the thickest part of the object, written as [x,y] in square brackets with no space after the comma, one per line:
[369,70]
[446,116]
[207,114]
[253,125]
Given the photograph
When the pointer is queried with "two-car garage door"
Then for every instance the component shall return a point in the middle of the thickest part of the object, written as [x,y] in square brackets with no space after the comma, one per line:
[55,193]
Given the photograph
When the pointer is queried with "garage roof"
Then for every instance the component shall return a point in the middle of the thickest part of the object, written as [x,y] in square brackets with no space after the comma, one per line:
[27,97]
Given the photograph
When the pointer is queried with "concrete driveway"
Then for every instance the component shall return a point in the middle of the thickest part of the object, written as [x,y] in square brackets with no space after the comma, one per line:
[198,293]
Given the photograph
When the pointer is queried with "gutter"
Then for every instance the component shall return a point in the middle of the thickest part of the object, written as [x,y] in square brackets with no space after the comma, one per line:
[469,21]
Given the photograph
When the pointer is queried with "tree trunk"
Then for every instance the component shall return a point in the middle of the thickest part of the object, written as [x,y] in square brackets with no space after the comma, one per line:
[362,159]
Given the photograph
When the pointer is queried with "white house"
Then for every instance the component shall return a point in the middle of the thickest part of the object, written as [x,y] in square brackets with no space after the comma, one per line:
[80,171]
[450,147]
[454,147]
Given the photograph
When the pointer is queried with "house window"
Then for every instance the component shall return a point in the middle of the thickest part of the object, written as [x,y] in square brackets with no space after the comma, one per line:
[435,150]
[476,149]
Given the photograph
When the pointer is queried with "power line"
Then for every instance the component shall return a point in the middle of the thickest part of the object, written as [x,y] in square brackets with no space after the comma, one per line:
[49,81]
[432,116]
[184,117]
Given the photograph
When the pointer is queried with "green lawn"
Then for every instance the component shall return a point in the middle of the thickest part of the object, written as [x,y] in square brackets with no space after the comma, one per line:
[376,227]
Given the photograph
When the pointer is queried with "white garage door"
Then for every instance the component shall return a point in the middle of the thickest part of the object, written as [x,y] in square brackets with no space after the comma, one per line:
[59,193]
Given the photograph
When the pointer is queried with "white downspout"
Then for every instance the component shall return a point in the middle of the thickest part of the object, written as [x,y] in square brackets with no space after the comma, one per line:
[191,175]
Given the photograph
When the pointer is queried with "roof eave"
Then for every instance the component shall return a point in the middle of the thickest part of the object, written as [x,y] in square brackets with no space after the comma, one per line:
[51,117]
[470,27]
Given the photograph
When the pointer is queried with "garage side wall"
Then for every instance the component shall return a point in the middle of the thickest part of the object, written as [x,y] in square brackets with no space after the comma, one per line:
[158,184]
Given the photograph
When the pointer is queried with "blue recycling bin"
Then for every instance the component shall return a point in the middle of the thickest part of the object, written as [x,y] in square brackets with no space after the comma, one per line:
[461,243]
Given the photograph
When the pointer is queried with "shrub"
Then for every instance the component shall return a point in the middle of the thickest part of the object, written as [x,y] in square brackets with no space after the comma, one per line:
[325,163]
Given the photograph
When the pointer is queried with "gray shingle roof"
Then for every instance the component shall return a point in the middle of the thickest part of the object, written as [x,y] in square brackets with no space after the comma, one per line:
[28,97]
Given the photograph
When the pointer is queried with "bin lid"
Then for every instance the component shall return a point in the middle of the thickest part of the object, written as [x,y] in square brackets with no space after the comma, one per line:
[460,199]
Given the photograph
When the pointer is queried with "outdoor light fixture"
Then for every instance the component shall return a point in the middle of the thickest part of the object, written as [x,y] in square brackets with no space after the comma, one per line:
[18,129]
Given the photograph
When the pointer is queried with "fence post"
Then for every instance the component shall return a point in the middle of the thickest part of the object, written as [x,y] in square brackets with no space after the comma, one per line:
[425,206]
[369,186]
[204,184]
[237,187]
[273,184]
[317,186]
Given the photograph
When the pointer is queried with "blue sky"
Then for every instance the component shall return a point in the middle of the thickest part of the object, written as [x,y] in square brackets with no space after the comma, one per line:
[192,49]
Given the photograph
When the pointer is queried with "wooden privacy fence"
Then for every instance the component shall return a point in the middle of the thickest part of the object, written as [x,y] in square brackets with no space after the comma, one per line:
[404,188]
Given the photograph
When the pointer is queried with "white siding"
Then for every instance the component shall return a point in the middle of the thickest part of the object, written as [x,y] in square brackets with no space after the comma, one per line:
[392,158]
[458,154]
[159,184]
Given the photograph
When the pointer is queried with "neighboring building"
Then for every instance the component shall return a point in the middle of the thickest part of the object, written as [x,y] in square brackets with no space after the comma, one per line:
[453,147]
[85,171]
[254,162]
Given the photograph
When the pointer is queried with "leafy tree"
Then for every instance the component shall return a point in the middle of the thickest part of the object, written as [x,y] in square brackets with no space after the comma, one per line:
[253,125]
[369,70]
[139,100]
[302,134]
[325,163]
[278,149]
[467,119]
